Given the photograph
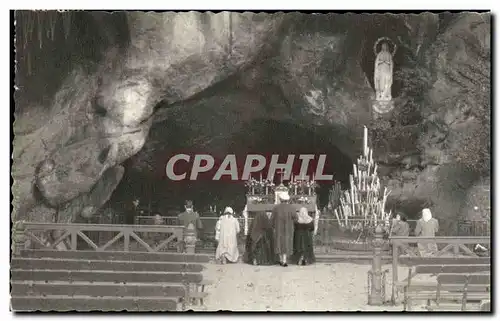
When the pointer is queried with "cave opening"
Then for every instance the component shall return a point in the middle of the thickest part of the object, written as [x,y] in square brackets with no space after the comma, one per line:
[159,195]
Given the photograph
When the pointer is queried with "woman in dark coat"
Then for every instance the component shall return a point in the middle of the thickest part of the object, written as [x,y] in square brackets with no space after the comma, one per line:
[400,226]
[303,238]
[259,248]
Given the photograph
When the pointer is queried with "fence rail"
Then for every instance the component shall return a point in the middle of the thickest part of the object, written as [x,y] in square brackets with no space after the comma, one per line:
[76,236]
[330,236]
[148,234]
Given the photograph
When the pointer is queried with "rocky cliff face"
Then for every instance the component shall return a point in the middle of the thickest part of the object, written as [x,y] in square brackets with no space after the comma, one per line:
[453,147]
[212,75]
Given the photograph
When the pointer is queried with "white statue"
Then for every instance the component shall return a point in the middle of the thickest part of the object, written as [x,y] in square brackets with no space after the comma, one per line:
[383,70]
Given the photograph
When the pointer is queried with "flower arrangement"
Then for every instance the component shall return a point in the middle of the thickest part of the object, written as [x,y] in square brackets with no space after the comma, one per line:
[301,186]
[294,186]
[312,185]
[261,199]
[301,199]
[252,182]
[260,187]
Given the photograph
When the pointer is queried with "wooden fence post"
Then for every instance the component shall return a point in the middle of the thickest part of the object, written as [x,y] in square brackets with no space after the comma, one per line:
[376,288]
[18,238]
[395,279]
[74,239]
[126,240]
[190,239]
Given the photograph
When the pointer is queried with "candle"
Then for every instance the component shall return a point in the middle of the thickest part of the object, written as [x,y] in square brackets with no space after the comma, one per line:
[365,139]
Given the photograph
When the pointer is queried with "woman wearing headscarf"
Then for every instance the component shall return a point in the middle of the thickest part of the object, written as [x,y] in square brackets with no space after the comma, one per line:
[226,231]
[427,226]
[303,238]
[259,247]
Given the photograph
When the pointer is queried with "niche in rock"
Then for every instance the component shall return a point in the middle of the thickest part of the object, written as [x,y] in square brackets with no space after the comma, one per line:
[383,26]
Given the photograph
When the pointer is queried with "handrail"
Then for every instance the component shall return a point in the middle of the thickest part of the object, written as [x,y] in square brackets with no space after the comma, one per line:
[440,239]
[102,227]
[70,232]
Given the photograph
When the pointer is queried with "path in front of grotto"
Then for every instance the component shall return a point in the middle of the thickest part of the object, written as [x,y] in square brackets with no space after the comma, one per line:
[318,287]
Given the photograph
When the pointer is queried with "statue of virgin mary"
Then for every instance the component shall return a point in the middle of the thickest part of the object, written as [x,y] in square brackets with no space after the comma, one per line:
[383,71]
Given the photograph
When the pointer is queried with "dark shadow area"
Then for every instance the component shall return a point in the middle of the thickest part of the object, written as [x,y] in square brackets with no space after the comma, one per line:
[158,194]
[50,44]
[412,208]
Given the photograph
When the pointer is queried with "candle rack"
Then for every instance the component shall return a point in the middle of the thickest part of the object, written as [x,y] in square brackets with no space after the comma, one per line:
[362,207]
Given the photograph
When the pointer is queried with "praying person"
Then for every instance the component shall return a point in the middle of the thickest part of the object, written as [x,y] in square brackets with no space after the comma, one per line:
[226,231]
[303,238]
[427,226]
[259,247]
[400,226]
[189,216]
[283,223]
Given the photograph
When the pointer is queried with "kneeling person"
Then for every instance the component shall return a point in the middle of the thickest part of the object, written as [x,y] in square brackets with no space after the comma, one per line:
[226,232]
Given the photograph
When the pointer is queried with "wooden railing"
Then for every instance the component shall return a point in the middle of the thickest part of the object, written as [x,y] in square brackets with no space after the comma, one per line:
[454,246]
[328,234]
[70,233]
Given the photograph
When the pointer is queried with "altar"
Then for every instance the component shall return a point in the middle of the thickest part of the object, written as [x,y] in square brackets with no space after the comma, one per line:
[262,196]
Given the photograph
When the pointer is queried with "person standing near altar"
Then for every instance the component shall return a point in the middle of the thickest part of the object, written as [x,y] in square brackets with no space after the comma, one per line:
[226,232]
[259,249]
[283,219]
[303,238]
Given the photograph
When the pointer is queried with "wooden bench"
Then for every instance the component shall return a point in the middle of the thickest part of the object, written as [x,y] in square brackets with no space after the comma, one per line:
[199,291]
[432,291]
[452,250]
[471,287]
[109,281]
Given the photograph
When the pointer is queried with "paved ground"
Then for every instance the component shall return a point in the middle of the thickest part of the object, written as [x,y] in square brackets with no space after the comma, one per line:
[320,287]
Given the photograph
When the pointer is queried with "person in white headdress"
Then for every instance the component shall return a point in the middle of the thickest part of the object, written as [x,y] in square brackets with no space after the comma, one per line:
[303,246]
[226,231]
[427,226]
[283,219]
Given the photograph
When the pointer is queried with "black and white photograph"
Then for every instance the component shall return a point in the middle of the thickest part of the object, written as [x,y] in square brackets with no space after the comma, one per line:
[251,161]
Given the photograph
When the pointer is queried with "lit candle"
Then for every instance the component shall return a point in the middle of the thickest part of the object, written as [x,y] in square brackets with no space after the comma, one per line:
[365,140]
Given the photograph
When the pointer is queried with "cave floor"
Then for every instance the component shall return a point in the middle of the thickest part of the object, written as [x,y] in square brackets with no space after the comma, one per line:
[318,287]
